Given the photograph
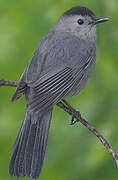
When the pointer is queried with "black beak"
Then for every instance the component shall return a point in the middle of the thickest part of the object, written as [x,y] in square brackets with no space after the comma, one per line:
[101,20]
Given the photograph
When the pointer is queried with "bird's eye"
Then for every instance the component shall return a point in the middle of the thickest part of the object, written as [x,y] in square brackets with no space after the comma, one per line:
[80,21]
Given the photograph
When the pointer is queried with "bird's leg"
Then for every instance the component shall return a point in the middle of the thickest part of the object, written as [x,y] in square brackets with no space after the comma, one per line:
[73,120]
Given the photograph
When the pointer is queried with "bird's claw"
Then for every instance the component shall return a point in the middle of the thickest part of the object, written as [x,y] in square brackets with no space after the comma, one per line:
[73,121]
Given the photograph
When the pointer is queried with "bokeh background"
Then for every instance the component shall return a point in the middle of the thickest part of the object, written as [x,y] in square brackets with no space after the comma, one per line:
[73,153]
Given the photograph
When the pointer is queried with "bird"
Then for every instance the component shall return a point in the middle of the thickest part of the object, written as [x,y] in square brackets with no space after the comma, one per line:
[60,68]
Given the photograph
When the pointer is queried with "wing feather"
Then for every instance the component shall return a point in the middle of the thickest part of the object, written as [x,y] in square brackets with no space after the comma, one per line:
[52,90]
[53,82]
[47,96]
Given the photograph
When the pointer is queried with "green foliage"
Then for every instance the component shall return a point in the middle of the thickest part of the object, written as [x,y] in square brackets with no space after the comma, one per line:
[73,152]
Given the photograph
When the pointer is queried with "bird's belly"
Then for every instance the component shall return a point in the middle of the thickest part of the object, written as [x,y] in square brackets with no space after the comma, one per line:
[78,87]
[82,82]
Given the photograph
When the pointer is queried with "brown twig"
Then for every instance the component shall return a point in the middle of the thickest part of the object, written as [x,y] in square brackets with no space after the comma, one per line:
[76,114]
[8,83]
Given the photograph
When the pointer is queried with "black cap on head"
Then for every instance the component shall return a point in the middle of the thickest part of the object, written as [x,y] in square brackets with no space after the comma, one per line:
[79,10]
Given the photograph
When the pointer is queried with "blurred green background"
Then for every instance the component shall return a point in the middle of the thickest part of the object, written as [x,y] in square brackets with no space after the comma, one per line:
[73,152]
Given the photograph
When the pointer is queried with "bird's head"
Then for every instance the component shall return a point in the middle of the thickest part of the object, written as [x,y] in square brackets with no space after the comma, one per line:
[81,21]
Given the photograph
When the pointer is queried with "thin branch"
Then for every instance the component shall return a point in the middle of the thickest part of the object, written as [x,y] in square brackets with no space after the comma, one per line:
[8,83]
[78,117]
[75,114]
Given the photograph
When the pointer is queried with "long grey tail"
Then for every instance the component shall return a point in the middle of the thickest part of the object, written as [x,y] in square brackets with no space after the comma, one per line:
[28,151]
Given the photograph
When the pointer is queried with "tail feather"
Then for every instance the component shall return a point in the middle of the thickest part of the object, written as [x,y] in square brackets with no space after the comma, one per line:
[14,151]
[40,156]
[16,166]
[36,151]
[40,147]
[28,152]
[20,156]
[12,162]
[29,149]
[17,153]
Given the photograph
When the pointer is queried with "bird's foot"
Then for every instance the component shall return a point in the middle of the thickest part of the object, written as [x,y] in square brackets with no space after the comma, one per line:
[73,120]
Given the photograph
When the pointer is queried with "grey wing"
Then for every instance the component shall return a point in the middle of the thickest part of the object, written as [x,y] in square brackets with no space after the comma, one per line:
[37,73]
[45,94]
[31,73]
[50,91]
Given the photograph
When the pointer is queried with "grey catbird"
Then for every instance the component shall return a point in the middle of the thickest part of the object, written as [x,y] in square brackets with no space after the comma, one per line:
[61,67]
